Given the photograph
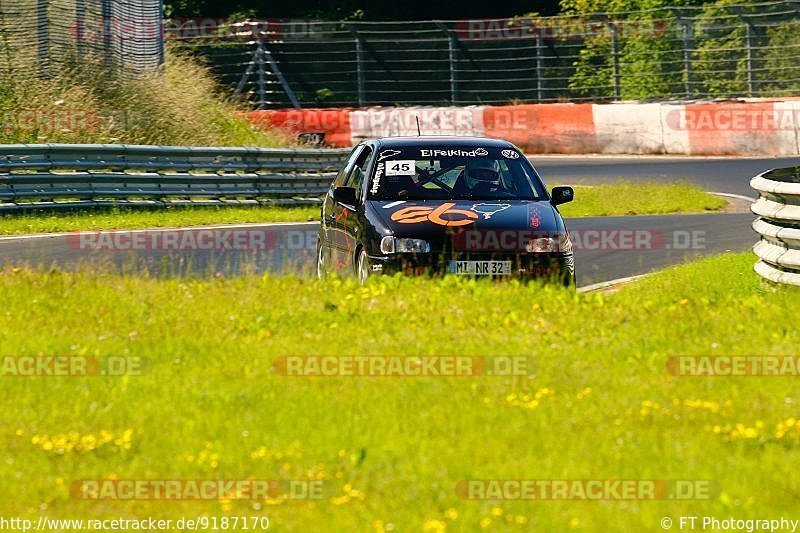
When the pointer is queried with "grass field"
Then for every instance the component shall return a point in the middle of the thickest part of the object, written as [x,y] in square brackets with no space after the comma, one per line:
[599,406]
[617,199]
[633,198]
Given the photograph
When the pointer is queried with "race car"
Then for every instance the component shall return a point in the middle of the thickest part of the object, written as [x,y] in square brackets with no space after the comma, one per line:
[443,205]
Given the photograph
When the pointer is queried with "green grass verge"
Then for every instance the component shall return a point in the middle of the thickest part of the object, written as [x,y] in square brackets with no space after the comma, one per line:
[633,198]
[131,218]
[394,448]
[618,199]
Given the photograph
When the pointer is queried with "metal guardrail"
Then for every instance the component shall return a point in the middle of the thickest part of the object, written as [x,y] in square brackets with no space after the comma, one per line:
[778,208]
[70,175]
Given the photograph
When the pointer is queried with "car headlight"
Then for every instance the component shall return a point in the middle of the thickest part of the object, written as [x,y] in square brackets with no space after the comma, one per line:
[558,243]
[391,245]
[412,246]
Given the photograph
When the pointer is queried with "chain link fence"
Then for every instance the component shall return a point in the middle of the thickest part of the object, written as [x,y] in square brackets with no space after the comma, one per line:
[42,35]
[715,51]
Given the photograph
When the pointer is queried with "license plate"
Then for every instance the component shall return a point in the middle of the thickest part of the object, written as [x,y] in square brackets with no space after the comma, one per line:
[481,268]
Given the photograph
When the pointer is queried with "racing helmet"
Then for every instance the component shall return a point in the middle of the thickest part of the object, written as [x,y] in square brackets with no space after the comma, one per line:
[478,171]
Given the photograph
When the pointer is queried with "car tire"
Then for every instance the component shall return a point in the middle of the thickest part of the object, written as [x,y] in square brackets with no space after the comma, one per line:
[362,266]
[322,273]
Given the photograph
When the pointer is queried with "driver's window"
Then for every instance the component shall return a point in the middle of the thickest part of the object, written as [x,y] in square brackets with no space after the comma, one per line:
[356,178]
[341,177]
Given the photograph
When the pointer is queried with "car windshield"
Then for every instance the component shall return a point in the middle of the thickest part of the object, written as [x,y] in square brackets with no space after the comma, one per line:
[452,173]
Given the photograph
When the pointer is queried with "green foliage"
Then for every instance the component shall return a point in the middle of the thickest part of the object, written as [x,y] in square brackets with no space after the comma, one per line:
[653,66]
[780,60]
[323,94]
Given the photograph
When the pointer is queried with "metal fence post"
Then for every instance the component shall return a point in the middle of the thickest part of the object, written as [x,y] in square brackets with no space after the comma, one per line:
[80,26]
[615,60]
[686,25]
[750,32]
[107,24]
[43,35]
[452,43]
[452,48]
[262,89]
[359,71]
[539,66]
[160,31]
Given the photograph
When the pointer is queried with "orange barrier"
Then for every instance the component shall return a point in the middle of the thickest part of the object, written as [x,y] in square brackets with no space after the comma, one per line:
[334,123]
[738,128]
[544,128]
[713,128]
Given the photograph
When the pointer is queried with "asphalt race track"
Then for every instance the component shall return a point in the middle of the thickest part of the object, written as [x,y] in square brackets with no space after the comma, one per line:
[720,174]
[606,247]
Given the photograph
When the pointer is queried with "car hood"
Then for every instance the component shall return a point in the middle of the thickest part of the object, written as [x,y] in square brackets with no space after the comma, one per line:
[437,221]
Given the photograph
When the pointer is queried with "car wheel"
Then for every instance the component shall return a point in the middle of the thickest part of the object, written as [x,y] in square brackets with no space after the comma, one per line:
[362,267]
[321,272]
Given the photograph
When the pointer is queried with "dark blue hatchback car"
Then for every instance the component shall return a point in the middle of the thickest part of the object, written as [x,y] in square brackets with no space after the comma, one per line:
[443,205]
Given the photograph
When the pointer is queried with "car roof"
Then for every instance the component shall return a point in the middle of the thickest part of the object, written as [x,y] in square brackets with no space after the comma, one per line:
[442,140]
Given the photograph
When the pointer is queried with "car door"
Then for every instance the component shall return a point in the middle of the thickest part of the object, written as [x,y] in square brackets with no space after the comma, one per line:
[329,210]
[353,222]
[345,221]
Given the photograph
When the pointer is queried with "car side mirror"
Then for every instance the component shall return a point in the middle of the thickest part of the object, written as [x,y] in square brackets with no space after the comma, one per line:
[345,195]
[562,195]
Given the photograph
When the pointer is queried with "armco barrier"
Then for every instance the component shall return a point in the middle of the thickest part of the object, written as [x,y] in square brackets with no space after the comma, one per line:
[753,127]
[64,175]
[778,208]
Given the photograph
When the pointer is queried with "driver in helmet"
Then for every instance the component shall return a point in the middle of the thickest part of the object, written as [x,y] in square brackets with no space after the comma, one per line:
[480,176]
